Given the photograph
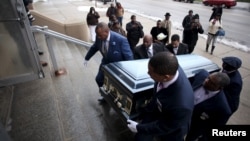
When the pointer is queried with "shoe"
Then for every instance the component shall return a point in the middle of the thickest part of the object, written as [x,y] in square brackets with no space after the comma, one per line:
[101,100]
[40,52]
[44,64]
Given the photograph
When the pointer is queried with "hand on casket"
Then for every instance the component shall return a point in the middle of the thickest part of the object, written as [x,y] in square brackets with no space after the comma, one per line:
[132,125]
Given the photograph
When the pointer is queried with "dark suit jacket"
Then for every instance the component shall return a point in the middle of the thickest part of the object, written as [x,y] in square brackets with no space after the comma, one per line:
[141,51]
[209,113]
[182,49]
[171,118]
[233,90]
[118,50]
[156,31]
[191,36]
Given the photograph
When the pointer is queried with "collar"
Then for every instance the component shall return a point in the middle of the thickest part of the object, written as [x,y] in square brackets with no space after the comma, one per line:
[175,49]
[150,47]
[168,83]
[108,38]
[228,72]
[201,94]
[212,92]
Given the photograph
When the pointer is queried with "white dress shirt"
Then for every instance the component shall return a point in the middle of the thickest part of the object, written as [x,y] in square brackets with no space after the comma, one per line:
[150,51]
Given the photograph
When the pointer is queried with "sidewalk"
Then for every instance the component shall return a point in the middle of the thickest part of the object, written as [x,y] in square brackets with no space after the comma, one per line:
[75,10]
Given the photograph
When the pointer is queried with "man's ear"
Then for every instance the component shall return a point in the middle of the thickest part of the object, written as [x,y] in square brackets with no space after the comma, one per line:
[166,78]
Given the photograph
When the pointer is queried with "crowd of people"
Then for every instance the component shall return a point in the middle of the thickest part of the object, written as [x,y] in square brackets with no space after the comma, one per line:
[161,33]
[179,109]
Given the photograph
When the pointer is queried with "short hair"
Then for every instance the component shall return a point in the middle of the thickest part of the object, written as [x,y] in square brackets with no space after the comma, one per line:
[196,16]
[102,25]
[90,9]
[175,37]
[222,79]
[164,63]
[133,16]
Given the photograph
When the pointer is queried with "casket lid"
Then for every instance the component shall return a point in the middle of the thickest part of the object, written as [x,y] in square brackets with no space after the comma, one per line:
[133,74]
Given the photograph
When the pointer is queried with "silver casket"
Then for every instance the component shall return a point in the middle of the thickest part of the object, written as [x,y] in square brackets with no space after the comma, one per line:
[128,87]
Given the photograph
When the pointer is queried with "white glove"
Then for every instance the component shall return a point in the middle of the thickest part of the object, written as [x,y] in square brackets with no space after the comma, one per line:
[85,63]
[132,125]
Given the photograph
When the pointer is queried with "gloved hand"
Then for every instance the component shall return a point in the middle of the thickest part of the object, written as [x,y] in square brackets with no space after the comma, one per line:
[132,125]
[85,63]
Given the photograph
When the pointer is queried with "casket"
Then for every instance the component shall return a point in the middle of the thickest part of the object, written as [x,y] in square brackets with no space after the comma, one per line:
[128,87]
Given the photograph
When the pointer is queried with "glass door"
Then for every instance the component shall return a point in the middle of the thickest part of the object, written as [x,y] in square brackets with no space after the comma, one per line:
[19,59]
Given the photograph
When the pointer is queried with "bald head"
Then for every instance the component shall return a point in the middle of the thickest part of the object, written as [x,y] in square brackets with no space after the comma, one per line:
[147,40]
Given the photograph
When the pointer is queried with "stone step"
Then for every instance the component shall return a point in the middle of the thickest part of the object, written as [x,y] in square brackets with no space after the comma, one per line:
[54,106]
[6,98]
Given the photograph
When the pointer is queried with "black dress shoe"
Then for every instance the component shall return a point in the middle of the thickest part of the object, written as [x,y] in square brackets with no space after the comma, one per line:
[44,64]
[40,52]
[101,100]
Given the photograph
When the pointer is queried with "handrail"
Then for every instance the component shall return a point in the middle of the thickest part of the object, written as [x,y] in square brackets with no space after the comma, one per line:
[50,33]
[44,30]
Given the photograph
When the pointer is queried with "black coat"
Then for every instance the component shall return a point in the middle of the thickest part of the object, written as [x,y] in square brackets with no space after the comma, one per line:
[140,51]
[156,31]
[233,90]
[210,113]
[92,18]
[134,30]
[182,49]
[191,35]
[169,112]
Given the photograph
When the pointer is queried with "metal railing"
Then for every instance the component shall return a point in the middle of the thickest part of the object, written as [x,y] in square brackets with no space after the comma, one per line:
[50,33]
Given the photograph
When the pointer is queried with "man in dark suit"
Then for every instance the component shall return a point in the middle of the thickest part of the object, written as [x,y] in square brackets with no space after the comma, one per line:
[176,47]
[148,48]
[211,106]
[232,91]
[156,30]
[192,30]
[113,47]
[134,32]
[168,114]
[185,23]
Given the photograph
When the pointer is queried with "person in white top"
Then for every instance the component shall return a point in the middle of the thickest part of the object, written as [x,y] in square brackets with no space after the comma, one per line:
[214,25]
[167,24]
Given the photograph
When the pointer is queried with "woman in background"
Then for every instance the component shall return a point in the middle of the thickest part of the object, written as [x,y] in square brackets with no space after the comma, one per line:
[119,12]
[92,21]
[214,25]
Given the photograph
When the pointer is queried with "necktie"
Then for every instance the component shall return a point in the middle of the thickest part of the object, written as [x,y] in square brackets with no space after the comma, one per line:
[104,48]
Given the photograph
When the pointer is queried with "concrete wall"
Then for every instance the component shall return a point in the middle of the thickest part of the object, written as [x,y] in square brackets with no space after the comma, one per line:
[76,28]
